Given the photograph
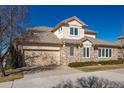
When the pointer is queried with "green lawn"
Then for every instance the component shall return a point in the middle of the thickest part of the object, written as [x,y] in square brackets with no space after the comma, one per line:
[12,74]
[100,68]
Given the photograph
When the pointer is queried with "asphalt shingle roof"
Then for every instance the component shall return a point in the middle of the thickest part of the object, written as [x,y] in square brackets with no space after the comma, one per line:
[121,37]
[88,31]
[98,41]
[44,35]
[95,41]
[41,28]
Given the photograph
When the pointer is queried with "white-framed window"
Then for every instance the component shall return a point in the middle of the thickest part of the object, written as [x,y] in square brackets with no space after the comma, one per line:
[99,52]
[86,52]
[71,51]
[60,29]
[104,52]
[110,52]
[73,31]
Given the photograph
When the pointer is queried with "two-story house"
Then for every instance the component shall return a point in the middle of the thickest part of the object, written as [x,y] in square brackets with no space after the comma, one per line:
[69,41]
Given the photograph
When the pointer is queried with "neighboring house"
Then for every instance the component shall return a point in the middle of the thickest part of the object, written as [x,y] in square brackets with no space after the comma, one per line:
[69,41]
[120,43]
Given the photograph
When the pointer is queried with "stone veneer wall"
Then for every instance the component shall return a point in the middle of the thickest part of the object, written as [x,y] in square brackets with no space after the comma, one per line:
[74,58]
[78,57]
[65,57]
[114,55]
[121,53]
[120,43]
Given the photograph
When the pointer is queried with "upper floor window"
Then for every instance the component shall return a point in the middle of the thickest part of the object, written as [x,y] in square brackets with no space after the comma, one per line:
[104,52]
[73,31]
[71,51]
[60,30]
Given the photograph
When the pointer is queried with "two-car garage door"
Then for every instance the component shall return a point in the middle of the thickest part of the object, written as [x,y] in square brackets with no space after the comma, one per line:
[41,57]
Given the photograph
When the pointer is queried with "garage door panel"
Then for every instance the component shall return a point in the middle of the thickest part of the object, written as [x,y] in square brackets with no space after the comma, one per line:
[36,58]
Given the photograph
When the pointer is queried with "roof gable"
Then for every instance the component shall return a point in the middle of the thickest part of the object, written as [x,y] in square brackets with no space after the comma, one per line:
[65,22]
[74,23]
[87,42]
[98,42]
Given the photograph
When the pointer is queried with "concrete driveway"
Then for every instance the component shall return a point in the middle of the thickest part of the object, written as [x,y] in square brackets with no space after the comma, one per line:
[60,70]
[49,81]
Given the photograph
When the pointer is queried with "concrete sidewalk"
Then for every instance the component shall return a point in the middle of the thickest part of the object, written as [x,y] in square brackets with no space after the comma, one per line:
[6,84]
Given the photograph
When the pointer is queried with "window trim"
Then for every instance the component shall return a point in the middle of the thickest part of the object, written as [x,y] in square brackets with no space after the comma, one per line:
[71,31]
[105,52]
[100,54]
[73,51]
[74,31]
[60,30]
[86,55]
[109,52]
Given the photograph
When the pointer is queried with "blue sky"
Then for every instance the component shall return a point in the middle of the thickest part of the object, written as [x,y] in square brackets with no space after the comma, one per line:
[108,21]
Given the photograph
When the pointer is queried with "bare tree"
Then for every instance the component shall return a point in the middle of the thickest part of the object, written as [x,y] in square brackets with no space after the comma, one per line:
[18,16]
[4,36]
[90,82]
[13,20]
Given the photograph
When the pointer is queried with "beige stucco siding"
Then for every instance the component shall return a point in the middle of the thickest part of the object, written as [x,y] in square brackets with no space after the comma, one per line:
[59,32]
[42,47]
[65,31]
[74,23]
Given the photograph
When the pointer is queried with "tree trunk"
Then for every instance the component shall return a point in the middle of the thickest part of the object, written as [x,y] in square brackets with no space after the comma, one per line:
[2,71]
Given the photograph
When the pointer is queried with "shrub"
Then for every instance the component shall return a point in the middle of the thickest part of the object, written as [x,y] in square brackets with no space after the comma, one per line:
[111,62]
[81,64]
[90,82]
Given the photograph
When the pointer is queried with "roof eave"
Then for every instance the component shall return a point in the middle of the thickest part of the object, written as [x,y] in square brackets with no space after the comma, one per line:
[105,45]
[92,33]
